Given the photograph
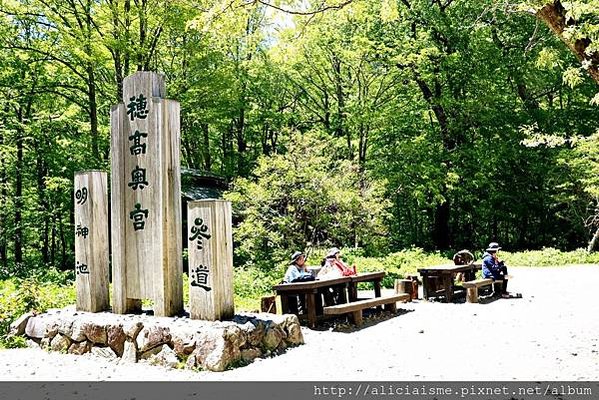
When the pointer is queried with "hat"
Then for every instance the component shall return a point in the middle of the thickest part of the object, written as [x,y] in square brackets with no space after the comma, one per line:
[332,252]
[295,256]
[493,247]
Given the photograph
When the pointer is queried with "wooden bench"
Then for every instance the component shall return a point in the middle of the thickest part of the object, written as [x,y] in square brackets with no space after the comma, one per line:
[472,288]
[356,307]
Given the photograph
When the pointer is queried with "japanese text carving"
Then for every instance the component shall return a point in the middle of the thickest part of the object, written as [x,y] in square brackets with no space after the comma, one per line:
[138,215]
[199,232]
[137,107]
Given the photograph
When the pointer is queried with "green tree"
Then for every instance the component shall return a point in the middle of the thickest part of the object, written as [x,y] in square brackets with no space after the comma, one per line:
[305,197]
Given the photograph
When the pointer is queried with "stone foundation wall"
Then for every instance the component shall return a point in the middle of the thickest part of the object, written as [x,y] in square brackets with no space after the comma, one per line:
[172,342]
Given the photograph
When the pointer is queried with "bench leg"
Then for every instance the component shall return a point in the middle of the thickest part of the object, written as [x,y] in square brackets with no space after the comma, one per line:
[357,316]
[392,307]
[472,294]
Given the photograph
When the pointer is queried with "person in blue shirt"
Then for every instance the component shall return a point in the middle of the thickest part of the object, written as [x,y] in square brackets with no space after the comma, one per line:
[297,271]
[494,268]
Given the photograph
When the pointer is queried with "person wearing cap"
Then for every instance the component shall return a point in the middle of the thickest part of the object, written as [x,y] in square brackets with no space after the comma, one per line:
[334,267]
[297,271]
[494,268]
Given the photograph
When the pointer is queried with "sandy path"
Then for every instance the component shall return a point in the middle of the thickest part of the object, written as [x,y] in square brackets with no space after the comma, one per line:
[550,334]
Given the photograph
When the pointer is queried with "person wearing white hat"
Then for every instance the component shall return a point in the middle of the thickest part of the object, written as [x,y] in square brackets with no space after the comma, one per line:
[494,268]
[334,267]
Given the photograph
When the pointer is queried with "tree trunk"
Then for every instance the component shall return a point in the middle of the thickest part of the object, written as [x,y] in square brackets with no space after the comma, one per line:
[441,229]
[4,201]
[63,246]
[363,146]
[18,235]
[91,86]
[53,244]
[43,204]
[441,234]
[116,52]
[241,142]
[93,112]
[206,146]
[142,35]
[339,125]
[554,16]
[593,242]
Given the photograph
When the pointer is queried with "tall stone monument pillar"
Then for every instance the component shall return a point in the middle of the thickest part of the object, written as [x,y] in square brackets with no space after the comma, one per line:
[91,240]
[146,198]
[210,250]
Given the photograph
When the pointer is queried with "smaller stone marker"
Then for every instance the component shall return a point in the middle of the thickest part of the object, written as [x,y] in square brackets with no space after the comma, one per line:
[91,240]
[210,248]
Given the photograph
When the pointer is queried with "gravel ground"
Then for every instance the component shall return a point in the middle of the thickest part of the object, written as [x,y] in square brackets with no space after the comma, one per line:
[552,333]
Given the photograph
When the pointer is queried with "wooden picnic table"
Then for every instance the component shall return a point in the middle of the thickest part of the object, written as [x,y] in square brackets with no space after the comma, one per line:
[444,274]
[315,290]
[374,277]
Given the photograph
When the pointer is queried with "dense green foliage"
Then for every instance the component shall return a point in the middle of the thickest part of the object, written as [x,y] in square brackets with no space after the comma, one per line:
[377,125]
[306,196]
[18,296]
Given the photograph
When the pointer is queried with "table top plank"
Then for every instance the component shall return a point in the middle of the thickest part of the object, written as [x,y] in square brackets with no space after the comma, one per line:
[368,276]
[318,283]
[291,287]
[449,268]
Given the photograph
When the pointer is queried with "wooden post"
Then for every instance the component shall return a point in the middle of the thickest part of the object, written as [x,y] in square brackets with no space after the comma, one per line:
[472,294]
[404,286]
[210,259]
[91,240]
[268,304]
[146,198]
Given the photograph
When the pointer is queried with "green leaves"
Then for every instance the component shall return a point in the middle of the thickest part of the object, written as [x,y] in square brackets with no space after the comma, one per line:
[302,198]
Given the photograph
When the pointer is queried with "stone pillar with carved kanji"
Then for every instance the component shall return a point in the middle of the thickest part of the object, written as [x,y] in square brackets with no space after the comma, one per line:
[146,198]
[210,249]
[91,240]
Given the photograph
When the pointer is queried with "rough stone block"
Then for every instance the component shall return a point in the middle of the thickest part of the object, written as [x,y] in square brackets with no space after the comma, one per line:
[60,343]
[80,347]
[116,338]
[17,328]
[95,333]
[152,336]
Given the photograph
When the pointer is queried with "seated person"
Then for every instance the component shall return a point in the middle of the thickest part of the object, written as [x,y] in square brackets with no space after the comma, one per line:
[297,271]
[334,267]
[494,268]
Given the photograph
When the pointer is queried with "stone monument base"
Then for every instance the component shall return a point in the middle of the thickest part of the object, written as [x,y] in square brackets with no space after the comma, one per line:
[176,342]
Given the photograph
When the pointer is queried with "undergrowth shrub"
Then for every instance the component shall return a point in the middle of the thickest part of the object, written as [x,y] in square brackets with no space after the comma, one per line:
[19,296]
